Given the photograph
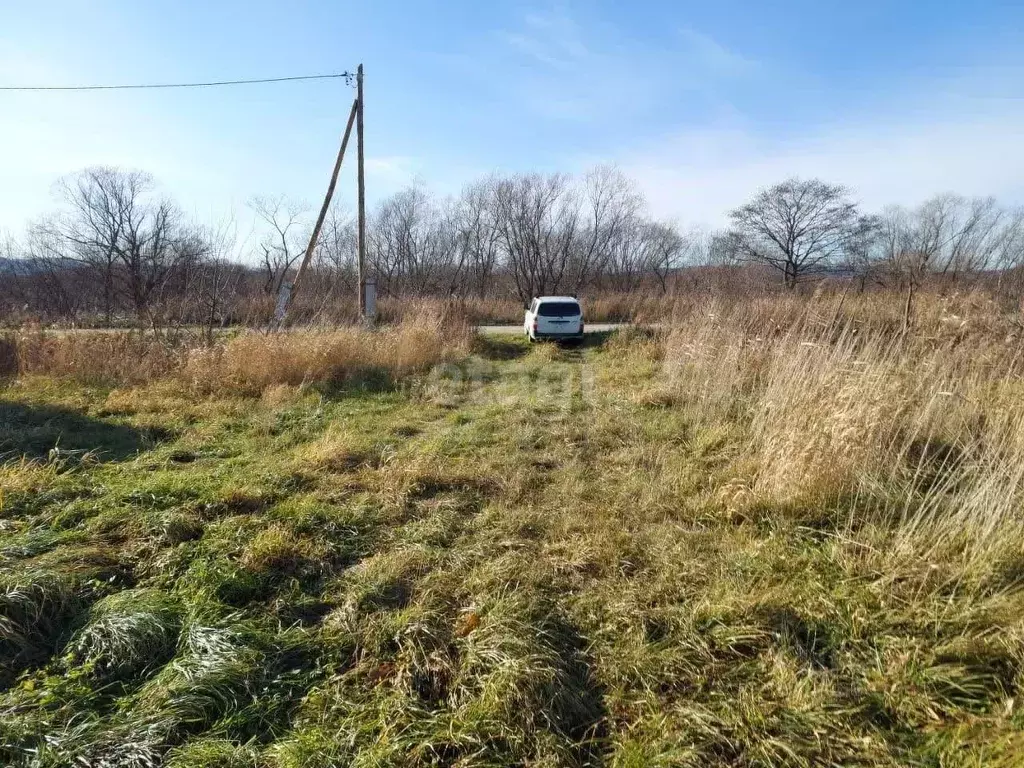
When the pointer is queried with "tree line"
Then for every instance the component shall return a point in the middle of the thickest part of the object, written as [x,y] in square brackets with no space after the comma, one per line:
[118,251]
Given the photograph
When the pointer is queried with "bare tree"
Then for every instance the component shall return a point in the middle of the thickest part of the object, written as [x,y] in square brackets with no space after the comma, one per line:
[974,230]
[334,270]
[641,252]
[477,232]
[539,218]
[93,225]
[417,245]
[864,253]
[400,238]
[11,286]
[797,227]
[60,287]
[668,249]
[130,240]
[9,250]
[626,260]
[284,238]
[611,214]
[154,253]
[1010,256]
[211,283]
[948,236]
[118,249]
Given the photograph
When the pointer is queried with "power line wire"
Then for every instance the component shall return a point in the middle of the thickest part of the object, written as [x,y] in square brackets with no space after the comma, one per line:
[347,75]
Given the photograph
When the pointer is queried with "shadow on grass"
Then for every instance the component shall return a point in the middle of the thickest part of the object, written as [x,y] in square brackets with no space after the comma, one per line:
[596,339]
[368,381]
[514,347]
[933,462]
[493,347]
[33,431]
[577,707]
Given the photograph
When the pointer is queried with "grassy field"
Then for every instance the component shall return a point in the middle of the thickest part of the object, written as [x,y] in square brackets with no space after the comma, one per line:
[748,541]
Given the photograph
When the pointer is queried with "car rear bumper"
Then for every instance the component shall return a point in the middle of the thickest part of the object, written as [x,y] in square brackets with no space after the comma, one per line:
[559,336]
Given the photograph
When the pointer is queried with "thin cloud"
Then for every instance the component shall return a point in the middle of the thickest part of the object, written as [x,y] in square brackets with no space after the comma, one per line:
[393,164]
[711,56]
[699,174]
[567,68]
[552,39]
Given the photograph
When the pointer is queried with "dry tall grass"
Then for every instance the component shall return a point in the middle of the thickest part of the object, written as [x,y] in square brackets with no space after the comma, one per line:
[249,363]
[116,357]
[842,413]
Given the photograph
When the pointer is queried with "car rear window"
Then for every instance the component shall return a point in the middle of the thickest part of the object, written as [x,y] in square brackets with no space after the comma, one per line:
[558,309]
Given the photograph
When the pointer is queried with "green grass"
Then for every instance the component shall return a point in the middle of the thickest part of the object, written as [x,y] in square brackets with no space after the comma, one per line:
[519,560]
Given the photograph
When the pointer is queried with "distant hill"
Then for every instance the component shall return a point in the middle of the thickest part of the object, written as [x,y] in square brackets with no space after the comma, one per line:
[17,266]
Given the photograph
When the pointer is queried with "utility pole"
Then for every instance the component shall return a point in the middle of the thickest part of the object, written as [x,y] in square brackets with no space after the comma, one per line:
[362,193]
[288,289]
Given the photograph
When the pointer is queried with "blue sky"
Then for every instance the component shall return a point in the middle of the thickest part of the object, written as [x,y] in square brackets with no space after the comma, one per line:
[702,103]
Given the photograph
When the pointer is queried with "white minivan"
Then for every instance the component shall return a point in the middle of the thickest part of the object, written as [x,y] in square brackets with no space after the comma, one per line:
[554,317]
